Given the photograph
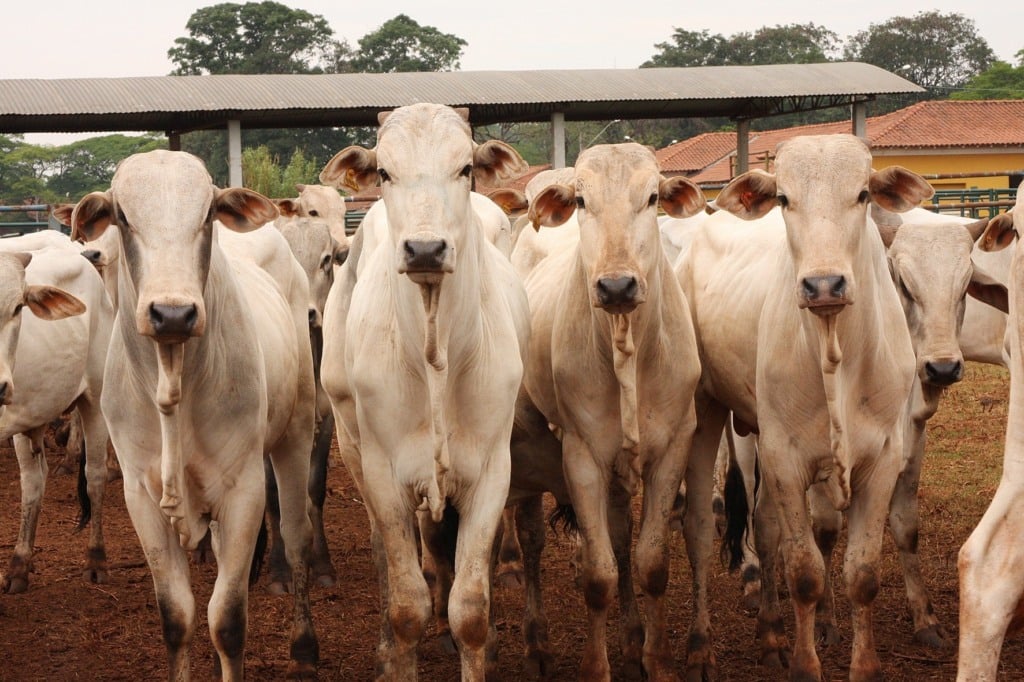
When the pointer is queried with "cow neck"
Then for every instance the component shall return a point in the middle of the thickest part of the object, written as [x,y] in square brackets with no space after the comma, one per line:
[1013,456]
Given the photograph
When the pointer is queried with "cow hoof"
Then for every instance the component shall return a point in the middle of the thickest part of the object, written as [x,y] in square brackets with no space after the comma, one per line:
[775,660]
[301,671]
[826,634]
[326,580]
[750,602]
[699,673]
[447,643]
[540,665]
[94,574]
[511,578]
[63,469]
[632,670]
[15,585]
[113,475]
[932,636]
[277,588]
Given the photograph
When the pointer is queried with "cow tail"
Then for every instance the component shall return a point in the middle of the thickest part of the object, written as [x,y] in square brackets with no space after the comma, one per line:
[736,512]
[564,516]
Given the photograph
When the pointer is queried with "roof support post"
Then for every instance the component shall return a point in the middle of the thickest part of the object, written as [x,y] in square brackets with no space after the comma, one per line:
[742,146]
[174,141]
[558,140]
[859,115]
[234,153]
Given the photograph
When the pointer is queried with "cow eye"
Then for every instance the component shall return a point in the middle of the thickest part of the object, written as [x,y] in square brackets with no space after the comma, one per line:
[384,177]
[906,292]
[783,200]
[17,309]
[121,219]
[580,203]
[313,213]
[653,199]
[466,171]
[864,197]
[325,263]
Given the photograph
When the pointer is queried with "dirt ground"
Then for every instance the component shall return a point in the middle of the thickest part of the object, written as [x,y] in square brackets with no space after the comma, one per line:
[67,629]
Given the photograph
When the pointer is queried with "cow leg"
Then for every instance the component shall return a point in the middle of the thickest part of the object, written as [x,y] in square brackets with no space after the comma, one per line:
[771,631]
[662,478]
[827,522]
[469,605]
[233,536]
[631,628]
[438,543]
[291,469]
[96,439]
[69,438]
[699,529]
[321,568]
[32,464]
[905,525]
[277,564]
[804,568]
[588,488]
[745,449]
[169,566]
[865,528]
[510,554]
[530,528]
[991,568]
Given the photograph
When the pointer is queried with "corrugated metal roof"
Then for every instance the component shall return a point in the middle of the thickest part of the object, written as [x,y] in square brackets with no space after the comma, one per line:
[181,103]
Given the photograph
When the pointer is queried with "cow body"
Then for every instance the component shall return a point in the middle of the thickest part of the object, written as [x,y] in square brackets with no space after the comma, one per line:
[991,586]
[824,383]
[209,370]
[423,356]
[58,365]
[612,365]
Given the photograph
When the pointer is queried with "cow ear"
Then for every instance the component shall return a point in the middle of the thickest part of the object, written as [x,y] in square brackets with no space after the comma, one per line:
[495,161]
[299,187]
[552,206]
[352,167]
[62,213]
[977,228]
[680,198]
[749,196]
[51,303]
[897,189]
[287,207]
[988,290]
[999,234]
[91,216]
[509,200]
[243,210]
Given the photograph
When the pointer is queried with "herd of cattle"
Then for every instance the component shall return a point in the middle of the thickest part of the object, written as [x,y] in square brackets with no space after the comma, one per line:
[467,363]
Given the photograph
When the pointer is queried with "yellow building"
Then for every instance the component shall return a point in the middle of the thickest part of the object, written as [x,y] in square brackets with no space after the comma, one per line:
[957,145]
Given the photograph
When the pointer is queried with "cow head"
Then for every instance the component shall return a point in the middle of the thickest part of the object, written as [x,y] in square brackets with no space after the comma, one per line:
[615,193]
[45,302]
[823,185]
[322,203]
[425,160]
[164,204]
[317,252]
[931,265]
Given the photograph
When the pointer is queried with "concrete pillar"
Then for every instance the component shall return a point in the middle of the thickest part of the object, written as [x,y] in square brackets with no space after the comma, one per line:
[558,140]
[742,146]
[234,153]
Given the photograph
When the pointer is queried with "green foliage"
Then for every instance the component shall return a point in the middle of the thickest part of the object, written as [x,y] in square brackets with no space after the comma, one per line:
[781,44]
[1000,81]
[255,37]
[402,45]
[262,171]
[940,52]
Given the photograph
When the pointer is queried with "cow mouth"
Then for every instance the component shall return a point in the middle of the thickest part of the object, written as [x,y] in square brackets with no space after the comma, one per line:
[824,309]
[619,308]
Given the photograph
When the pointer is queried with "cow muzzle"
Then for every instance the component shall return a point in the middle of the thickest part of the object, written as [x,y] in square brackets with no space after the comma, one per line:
[426,257]
[942,372]
[619,294]
[172,323]
[825,294]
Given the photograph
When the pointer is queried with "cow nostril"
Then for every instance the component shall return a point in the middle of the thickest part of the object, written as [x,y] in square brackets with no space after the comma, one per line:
[425,254]
[616,290]
[834,286]
[837,285]
[340,257]
[312,316]
[92,255]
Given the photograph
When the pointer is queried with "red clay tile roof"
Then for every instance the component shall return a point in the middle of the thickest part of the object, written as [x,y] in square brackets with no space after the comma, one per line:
[925,125]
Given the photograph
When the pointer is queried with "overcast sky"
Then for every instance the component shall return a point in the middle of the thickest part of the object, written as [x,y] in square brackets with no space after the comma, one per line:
[111,38]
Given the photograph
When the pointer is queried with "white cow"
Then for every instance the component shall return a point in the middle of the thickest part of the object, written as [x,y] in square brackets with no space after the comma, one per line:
[423,357]
[802,336]
[209,369]
[57,364]
[613,366]
[323,203]
[991,583]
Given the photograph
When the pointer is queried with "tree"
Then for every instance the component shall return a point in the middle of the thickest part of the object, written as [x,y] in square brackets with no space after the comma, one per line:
[402,45]
[255,37]
[88,165]
[1000,81]
[262,172]
[939,52]
[781,44]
